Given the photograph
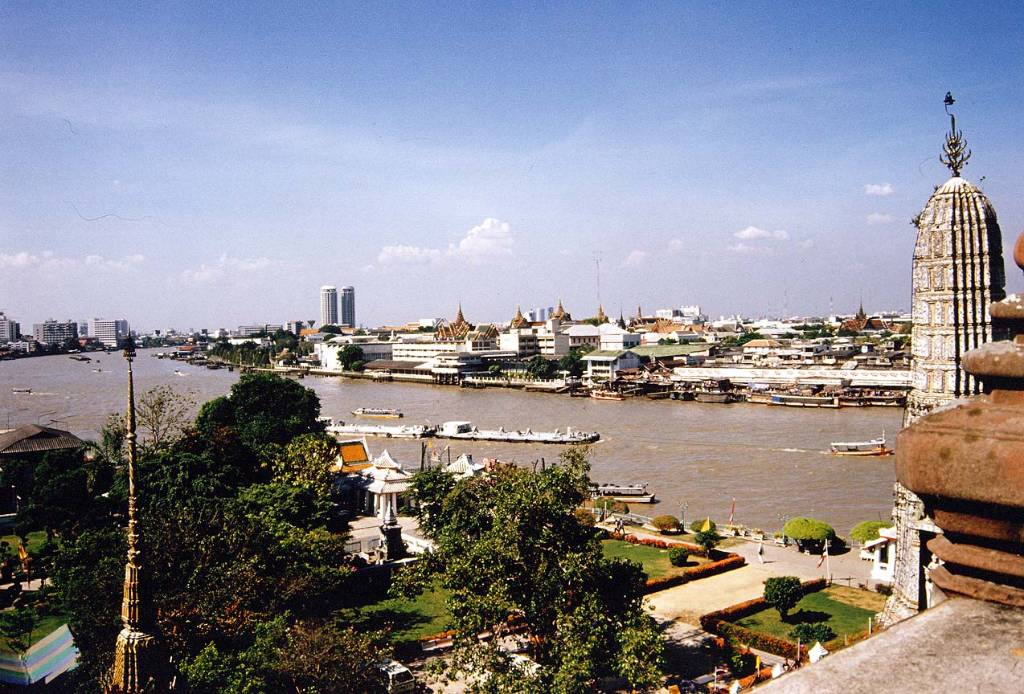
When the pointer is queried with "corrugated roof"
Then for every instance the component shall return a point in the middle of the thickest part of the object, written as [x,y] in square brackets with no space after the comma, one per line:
[664,351]
[32,438]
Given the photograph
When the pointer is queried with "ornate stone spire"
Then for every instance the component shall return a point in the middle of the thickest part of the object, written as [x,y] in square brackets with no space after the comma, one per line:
[140,662]
[459,318]
[518,320]
[956,152]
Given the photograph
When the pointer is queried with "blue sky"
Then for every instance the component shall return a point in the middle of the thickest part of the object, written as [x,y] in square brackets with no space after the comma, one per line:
[212,164]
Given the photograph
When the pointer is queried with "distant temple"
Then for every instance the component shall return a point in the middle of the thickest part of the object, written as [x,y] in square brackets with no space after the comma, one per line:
[957,275]
[456,330]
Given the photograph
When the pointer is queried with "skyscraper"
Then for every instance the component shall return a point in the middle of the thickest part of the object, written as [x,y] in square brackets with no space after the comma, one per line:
[328,305]
[110,331]
[957,274]
[348,307]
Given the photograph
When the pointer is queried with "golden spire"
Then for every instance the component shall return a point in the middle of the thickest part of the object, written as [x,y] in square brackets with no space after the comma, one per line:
[956,152]
[601,318]
[518,320]
[140,663]
[459,318]
[560,311]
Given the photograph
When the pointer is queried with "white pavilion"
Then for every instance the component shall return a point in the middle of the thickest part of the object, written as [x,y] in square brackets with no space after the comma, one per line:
[381,485]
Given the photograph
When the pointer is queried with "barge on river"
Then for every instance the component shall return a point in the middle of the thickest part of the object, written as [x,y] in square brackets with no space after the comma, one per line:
[872,447]
[630,493]
[378,412]
[466,430]
[405,431]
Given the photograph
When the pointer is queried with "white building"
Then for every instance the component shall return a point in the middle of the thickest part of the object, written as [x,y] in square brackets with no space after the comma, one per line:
[882,553]
[10,330]
[329,352]
[583,335]
[615,338]
[604,365]
[522,341]
[111,332]
[328,305]
[423,351]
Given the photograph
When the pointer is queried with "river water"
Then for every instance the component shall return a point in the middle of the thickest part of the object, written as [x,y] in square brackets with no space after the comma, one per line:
[769,459]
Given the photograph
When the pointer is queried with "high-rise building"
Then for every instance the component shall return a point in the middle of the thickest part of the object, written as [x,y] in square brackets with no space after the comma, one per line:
[328,305]
[957,274]
[53,332]
[10,330]
[348,307]
[111,332]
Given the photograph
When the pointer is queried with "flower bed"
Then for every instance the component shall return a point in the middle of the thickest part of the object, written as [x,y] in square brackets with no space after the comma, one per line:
[721,622]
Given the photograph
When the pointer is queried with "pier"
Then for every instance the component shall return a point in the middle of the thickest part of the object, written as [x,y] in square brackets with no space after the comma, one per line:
[461,430]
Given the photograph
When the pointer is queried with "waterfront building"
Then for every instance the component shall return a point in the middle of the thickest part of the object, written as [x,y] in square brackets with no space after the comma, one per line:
[329,352]
[583,335]
[522,341]
[328,305]
[957,275]
[111,332]
[53,332]
[10,330]
[348,307]
[612,337]
[604,365]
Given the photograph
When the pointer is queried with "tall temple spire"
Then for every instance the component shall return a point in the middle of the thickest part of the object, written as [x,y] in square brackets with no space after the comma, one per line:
[459,318]
[601,317]
[560,311]
[518,320]
[140,662]
[956,152]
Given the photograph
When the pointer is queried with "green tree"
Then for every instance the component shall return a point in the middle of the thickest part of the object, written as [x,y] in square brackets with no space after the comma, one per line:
[708,540]
[666,523]
[747,337]
[16,626]
[573,363]
[808,532]
[163,414]
[431,488]
[517,551]
[350,355]
[809,633]
[307,461]
[541,368]
[867,531]
[782,593]
[267,408]
[678,556]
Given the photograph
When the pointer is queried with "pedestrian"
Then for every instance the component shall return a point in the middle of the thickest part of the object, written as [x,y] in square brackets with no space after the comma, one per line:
[760,552]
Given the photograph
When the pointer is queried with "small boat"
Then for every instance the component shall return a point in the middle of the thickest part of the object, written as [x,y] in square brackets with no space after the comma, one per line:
[631,493]
[716,396]
[606,395]
[21,390]
[872,447]
[378,412]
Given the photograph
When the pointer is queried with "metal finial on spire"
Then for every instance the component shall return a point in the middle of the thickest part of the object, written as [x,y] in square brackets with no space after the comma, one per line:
[956,152]
[140,663]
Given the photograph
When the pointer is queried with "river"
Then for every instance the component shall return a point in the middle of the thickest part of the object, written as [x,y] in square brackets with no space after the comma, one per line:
[769,459]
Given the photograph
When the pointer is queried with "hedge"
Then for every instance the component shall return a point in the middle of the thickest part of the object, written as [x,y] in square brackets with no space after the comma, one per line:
[733,561]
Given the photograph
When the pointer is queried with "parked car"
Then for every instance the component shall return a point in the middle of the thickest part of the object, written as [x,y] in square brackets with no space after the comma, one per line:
[396,677]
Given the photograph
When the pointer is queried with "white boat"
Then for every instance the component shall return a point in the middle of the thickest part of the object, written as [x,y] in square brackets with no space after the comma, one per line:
[631,493]
[872,447]
[413,431]
[378,412]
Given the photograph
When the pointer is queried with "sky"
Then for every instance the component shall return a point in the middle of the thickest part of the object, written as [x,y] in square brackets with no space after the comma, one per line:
[196,165]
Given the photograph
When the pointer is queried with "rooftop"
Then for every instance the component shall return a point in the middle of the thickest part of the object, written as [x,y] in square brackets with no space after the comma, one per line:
[32,438]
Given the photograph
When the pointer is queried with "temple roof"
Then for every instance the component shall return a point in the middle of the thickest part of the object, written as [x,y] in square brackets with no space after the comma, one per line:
[518,320]
[32,438]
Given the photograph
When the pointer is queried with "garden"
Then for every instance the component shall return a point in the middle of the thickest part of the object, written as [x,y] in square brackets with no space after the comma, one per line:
[845,611]
[655,560]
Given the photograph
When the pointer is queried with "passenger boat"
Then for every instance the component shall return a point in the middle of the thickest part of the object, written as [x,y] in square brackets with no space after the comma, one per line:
[872,447]
[378,412]
[630,493]
[21,390]
[606,395]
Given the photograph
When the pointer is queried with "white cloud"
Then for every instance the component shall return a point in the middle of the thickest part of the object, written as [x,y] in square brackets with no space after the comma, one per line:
[635,258]
[879,218]
[488,241]
[880,189]
[675,246]
[227,266]
[48,261]
[753,232]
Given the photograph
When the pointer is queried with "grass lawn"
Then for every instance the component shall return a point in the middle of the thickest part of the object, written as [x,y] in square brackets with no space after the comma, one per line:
[43,628]
[655,561]
[844,609]
[407,619]
[35,539]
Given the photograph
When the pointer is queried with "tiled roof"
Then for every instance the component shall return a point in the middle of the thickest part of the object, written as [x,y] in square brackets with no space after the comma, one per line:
[33,438]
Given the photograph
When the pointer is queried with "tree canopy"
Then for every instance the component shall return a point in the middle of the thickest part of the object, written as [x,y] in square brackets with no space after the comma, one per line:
[801,528]
[513,554]
[866,531]
[782,593]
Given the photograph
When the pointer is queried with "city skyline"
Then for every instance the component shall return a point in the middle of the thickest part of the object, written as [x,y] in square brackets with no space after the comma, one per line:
[486,155]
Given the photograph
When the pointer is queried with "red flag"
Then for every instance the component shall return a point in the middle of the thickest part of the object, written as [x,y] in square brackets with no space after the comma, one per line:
[732,512]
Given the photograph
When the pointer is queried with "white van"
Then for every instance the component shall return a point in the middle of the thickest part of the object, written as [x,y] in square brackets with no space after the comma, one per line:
[397,677]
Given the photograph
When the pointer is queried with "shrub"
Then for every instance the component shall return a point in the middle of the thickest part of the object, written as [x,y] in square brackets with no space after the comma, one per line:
[696,525]
[678,556]
[609,504]
[867,531]
[782,593]
[585,517]
[666,523]
[809,633]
